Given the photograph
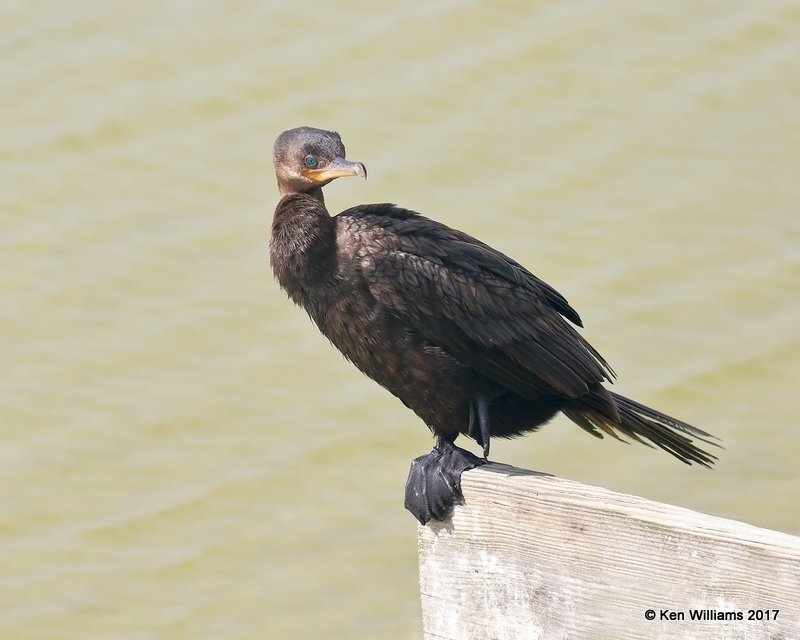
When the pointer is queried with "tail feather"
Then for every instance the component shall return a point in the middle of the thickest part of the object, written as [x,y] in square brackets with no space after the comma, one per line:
[643,424]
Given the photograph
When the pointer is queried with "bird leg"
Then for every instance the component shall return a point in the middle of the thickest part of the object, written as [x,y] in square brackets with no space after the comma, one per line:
[434,480]
[479,413]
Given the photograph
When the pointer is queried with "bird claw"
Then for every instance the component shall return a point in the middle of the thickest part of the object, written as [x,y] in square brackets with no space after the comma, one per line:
[434,480]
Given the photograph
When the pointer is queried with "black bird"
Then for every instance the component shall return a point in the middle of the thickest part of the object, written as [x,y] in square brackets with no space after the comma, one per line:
[466,337]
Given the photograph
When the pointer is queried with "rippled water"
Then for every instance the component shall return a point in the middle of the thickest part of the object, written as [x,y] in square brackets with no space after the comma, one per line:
[184,457]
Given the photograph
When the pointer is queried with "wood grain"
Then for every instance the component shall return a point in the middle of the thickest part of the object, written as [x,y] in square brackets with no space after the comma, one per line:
[533,556]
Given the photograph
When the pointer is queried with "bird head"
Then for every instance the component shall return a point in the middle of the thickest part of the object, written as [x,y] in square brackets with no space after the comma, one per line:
[306,159]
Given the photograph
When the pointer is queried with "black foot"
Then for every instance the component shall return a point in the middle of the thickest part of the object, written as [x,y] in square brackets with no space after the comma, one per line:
[434,481]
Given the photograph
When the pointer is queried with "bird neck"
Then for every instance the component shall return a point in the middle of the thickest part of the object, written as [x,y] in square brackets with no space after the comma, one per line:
[287,191]
[303,242]
[317,195]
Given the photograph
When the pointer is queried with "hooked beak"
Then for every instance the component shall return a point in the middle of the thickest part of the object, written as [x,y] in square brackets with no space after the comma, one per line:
[337,168]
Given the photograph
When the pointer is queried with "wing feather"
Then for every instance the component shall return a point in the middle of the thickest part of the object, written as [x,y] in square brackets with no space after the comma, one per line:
[484,308]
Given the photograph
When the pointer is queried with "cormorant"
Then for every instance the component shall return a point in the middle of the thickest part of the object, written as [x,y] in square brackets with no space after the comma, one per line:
[464,336]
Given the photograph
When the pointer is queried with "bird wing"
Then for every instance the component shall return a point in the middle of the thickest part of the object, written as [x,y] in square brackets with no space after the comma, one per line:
[484,308]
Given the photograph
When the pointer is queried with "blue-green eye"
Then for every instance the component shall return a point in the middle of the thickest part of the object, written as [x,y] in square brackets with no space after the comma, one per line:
[311,162]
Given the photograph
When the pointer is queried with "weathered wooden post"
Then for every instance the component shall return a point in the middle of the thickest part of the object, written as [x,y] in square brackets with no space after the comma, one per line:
[533,556]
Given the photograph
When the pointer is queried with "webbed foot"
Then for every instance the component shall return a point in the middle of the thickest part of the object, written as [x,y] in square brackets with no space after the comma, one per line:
[434,480]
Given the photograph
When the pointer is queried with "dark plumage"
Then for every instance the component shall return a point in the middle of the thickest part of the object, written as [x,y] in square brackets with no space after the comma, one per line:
[466,337]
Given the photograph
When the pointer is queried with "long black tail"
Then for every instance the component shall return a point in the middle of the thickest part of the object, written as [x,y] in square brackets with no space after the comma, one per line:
[641,423]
